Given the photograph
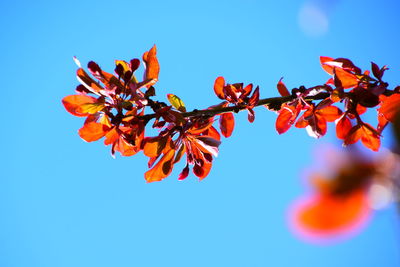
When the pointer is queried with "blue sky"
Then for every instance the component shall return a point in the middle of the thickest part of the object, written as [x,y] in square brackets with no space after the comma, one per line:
[64,202]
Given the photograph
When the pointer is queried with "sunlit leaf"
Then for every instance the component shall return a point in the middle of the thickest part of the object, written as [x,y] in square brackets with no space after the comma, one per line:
[219,87]
[343,127]
[347,79]
[251,115]
[184,173]
[92,131]
[162,169]
[211,131]
[353,135]
[153,146]
[74,104]
[283,91]
[255,97]
[125,148]
[390,107]
[370,137]
[111,136]
[330,113]
[325,64]
[125,65]
[176,102]
[227,124]
[286,118]
[152,65]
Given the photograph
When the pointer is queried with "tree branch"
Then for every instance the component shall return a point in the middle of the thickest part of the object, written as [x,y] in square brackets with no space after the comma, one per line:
[272,101]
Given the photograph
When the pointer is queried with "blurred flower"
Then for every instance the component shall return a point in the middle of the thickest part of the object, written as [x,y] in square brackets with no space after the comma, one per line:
[344,195]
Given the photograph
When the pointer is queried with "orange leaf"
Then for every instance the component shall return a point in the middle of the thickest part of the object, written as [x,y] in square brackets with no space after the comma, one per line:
[353,135]
[330,113]
[227,124]
[328,68]
[87,81]
[219,87]
[343,126]
[162,169]
[199,128]
[347,79]
[286,118]
[153,146]
[74,104]
[370,138]
[112,136]
[125,148]
[202,171]
[92,131]
[390,107]
[212,132]
[283,91]
[325,214]
[152,65]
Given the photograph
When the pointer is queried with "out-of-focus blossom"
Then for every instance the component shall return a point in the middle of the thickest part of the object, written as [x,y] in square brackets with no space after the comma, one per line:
[344,195]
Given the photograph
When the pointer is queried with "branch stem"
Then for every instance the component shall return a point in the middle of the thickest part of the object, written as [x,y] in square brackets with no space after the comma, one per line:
[272,101]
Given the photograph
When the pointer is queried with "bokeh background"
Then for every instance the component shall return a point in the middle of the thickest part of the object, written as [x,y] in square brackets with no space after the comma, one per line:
[67,203]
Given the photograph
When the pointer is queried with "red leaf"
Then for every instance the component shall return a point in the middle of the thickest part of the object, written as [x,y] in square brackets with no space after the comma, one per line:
[353,135]
[219,87]
[73,104]
[390,107]
[134,64]
[287,116]
[347,79]
[184,173]
[253,101]
[251,115]
[370,138]
[283,91]
[227,124]
[343,126]
[213,133]
[247,90]
[330,113]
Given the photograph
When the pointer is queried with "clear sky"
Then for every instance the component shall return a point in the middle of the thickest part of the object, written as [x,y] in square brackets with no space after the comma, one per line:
[65,203]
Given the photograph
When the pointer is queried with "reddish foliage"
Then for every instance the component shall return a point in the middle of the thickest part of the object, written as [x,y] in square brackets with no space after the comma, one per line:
[119,107]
